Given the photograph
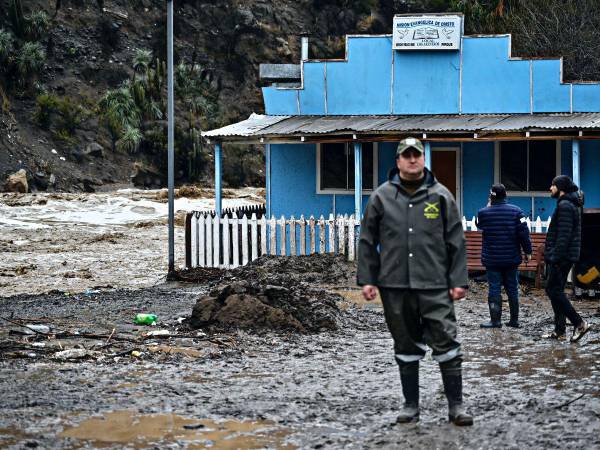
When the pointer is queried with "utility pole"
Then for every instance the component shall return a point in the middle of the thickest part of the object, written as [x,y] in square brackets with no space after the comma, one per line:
[170,138]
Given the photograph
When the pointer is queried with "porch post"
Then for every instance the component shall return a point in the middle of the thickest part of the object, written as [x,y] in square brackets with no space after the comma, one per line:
[218,185]
[576,162]
[268,178]
[428,154]
[358,180]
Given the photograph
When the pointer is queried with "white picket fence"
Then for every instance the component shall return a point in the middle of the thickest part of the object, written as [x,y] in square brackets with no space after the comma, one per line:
[229,242]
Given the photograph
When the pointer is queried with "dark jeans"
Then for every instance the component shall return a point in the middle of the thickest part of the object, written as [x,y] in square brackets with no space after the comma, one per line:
[508,277]
[555,288]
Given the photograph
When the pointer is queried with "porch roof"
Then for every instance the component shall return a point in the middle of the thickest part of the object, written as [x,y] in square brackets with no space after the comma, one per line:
[259,128]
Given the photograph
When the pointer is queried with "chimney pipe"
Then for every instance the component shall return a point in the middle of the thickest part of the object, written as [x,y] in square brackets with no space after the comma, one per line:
[304,41]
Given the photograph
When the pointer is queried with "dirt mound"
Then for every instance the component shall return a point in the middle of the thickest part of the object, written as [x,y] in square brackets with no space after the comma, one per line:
[278,270]
[253,304]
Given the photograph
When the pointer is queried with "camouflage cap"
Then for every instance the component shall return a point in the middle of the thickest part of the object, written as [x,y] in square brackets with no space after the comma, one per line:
[407,143]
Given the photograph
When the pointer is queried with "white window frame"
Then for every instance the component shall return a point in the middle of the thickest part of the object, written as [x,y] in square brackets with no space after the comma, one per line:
[526,193]
[349,191]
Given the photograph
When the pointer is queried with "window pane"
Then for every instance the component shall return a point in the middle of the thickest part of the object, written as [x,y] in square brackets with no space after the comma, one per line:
[542,164]
[367,165]
[333,166]
[513,165]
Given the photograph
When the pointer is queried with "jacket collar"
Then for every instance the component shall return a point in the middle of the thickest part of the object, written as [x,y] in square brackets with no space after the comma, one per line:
[429,181]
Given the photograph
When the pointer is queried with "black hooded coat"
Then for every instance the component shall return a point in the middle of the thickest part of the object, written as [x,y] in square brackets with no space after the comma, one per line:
[563,240]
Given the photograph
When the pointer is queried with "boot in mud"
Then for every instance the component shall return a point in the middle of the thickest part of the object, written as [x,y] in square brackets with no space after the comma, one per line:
[457,414]
[495,305]
[409,376]
[513,304]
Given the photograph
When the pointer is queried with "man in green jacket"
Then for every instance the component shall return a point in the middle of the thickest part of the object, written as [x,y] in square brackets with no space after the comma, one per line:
[412,248]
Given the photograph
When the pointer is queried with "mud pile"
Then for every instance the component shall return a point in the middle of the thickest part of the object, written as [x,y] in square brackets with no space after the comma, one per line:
[280,293]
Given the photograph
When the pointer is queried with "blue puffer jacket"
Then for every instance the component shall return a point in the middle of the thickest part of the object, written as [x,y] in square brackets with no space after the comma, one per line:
[505,233]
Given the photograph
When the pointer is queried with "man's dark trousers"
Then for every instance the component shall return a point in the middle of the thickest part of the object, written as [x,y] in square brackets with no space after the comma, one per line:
[555,288]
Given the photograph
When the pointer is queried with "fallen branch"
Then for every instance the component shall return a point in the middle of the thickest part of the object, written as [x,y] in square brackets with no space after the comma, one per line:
[562,405]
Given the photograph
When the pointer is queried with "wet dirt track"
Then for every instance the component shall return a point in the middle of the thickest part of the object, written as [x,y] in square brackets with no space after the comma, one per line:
[279,390]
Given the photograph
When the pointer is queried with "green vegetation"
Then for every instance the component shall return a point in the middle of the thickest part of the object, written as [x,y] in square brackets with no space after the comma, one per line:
[30,60]
[61,114]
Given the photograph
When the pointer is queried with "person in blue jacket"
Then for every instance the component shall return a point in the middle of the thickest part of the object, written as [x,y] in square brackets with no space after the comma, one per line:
[505,235]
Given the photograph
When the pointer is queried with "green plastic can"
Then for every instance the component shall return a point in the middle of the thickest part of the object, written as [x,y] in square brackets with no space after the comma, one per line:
[145,319]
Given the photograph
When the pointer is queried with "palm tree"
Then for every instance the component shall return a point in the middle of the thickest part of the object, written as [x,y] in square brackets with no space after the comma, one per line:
[120,112]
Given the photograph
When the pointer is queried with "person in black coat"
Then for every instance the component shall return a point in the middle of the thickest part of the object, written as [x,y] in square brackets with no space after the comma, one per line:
[563,244]
[505,235]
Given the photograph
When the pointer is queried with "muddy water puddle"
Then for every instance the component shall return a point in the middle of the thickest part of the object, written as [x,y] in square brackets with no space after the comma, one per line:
[139,431]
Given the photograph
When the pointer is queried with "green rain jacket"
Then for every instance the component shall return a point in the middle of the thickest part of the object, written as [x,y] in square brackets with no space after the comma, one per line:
[412,241]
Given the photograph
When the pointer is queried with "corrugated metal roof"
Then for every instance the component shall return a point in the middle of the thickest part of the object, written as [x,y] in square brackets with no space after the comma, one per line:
[257,126]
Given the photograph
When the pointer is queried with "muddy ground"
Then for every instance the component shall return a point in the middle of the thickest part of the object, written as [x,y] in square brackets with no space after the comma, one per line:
[257,388]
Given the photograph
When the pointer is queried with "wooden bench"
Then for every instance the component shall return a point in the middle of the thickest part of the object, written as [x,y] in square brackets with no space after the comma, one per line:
[535,264]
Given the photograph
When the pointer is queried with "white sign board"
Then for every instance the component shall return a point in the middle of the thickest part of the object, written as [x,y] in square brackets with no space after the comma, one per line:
[427,32]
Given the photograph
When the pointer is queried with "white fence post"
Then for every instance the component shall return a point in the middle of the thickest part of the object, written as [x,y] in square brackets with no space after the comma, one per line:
[254,231]
[538,225]
[209,241]
[244,240]
[311,232]
[321,234]
[201,228]
[282,236]
[235,240]
[263,235]
[302,235]
[342,234]
[226,242]
[217,241]
[331,224]
[273,236]
[194,240]
[292,223]
[351,238]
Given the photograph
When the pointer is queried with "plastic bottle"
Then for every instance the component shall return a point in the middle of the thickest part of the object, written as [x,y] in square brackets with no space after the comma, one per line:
[145,319]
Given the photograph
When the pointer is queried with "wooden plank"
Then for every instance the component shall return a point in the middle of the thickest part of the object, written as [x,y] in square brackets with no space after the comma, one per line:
[209,240]
[321,234]
[292,223]
[263,235]
[235,240]
[331,235]
[217,241]
[351,238]
[282,236]
[311,231]
[226,259]
[302,235]
[201,227]
[273,237]
[244,224]
[342,234]
[254,231]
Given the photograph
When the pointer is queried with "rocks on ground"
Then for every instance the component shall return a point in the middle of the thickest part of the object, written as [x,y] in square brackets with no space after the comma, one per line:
[17,182]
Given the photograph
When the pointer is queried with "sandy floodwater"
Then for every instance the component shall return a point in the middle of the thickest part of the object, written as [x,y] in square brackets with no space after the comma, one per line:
[74,242]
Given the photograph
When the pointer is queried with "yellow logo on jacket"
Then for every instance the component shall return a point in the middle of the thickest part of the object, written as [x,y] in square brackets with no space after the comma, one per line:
[432,210]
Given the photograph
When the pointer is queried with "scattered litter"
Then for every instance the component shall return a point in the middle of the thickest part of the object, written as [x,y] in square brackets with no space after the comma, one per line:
[136,354]
[193,426]
[73,353]
[158,333]
[181,319]
[32,328]
[145,319]
[38,344]
[54,151]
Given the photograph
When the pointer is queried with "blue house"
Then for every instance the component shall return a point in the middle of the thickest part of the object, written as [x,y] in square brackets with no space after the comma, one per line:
[331,127]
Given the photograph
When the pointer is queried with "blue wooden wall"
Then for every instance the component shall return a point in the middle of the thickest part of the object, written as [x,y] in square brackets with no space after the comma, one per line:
[374,79]
[480,78]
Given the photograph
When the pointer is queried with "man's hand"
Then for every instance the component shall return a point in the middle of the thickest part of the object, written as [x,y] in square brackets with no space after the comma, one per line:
[527,257]
[369,292]
[458,293]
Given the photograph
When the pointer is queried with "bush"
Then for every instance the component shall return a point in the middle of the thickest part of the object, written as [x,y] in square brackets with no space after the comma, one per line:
[37,24]
[46,107]
[130,140]
[30,60]
[6,46]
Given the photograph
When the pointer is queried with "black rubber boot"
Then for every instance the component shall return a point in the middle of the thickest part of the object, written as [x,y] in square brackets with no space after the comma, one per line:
[513,304]
[409,376]
[453,387]
[495,305]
